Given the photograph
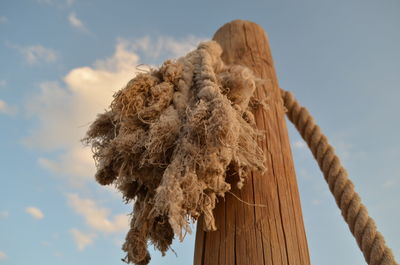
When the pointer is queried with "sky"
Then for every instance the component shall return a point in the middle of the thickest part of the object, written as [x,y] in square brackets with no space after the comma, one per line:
[62,60]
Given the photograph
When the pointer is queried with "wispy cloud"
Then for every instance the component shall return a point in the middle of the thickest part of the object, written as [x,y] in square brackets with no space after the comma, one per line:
[96,217]
[300,144]
[58,254]
[82,240]
[389,183]
[63,112]
[35,212]
[36,54]
[57,3]
[7,109]
[3,83]
[3,20]
[164,46]
[305,174]
[77,163]
[4,214]
[2,255]
[3,106]
[316,202]
[45,243]
[46,2]
[76,22]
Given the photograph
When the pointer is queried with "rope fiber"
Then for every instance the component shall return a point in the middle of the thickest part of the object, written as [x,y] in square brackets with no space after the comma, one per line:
[362,226]
[170,136]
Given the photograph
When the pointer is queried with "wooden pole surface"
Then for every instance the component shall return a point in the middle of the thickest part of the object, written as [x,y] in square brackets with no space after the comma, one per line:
[274,233]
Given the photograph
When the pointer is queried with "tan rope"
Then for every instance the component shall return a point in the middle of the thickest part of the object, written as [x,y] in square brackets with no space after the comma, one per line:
[361,225]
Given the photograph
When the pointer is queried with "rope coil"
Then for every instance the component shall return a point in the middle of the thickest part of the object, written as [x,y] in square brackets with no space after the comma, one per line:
[362,226]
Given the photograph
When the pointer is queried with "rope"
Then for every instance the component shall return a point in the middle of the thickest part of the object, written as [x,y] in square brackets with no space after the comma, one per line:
[362,226]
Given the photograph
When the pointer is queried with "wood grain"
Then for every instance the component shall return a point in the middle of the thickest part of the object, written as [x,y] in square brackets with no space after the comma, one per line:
[254,235]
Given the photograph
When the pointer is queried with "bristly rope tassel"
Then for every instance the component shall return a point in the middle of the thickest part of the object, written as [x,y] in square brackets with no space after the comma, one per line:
[171,135]
[168,140]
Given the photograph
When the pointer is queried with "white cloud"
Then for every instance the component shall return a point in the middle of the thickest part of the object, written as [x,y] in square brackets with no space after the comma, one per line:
[300,144]
[36,54]
[343,149]
[58,254]
[3,106]
[164,46]
[76,162]
[45,243]
[4,214]
[3,83]
[3,20]
[82,240]
[35,212]
[64,111]
[389,183]
[96,217]
[305,174]
[6,109]
[316,202]
[2,255]
[57,3]
[76,22]
[46,2]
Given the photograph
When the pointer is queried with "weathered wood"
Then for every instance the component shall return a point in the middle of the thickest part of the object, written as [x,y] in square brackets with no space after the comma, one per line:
[256,235]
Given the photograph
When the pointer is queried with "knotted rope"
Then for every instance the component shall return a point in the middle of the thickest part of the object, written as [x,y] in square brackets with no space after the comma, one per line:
[167,141]
[362,226]
[172,134]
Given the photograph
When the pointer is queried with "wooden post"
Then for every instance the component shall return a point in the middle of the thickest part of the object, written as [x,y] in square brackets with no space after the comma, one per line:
[273,233]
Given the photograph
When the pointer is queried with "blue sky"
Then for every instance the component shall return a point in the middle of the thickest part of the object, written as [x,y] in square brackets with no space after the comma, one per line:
[61,61]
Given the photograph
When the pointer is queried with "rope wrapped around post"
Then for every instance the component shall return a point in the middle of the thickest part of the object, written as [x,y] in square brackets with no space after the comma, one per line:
[172,134]
[362,226]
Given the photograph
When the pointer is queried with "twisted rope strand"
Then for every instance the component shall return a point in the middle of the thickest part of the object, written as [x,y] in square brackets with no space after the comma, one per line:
[362,226]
